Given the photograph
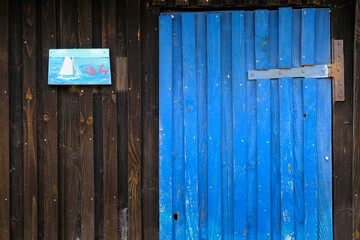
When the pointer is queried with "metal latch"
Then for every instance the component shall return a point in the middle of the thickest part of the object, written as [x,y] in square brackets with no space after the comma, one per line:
[334,70]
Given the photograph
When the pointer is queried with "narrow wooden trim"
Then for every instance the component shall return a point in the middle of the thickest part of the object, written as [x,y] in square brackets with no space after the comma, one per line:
[4,121]
[356,110]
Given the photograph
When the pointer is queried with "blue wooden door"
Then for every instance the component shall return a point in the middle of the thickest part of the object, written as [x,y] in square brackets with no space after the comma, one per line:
[244,159]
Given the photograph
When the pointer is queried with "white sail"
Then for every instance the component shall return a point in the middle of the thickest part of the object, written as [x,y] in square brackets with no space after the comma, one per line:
[67,67]
[78,73]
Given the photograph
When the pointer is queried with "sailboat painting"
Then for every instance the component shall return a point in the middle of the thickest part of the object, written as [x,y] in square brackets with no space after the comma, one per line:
[79,67]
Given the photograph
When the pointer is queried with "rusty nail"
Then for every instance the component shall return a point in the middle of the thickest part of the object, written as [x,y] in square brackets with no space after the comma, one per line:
[338,43]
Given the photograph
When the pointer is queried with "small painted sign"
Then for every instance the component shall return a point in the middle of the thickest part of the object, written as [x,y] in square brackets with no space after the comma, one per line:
[79,67]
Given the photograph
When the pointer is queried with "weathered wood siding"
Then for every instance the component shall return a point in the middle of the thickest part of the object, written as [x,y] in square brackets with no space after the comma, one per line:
[66,152]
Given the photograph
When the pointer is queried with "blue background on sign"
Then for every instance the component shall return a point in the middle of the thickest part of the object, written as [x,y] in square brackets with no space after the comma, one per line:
[82,58]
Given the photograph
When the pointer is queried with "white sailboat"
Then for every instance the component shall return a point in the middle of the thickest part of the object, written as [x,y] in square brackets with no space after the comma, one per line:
[67,69]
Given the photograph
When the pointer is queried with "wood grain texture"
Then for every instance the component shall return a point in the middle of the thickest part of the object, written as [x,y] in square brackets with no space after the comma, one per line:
[343,14]
[109,115]
[86,156]
[29,119]
[134,118]
[150,122]
[47,121]
[4,122]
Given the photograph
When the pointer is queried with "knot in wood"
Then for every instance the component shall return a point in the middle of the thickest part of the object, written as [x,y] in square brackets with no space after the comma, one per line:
[90,121]
[46,117]
[28,95]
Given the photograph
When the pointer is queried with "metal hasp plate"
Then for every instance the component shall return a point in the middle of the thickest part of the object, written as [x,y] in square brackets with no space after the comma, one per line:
[334,70]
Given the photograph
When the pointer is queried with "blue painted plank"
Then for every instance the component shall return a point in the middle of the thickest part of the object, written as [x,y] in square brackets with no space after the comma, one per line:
[201,78]
[190,127]
[239,124]
[298,120]
[322,56]
[214,127]
[285,26]
[275,131]
[263,127]
[178,134]
[251,230]
[310,129]
[165,127]
[307,36]
[286,128]
[227,170]
[262,39]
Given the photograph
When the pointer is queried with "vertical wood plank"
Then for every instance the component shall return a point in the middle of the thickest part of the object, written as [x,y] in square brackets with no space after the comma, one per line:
[48,143]
[190,127]
[275,128]
[356,170]
[307,36]
[134,71]
[286,127]
[298,119]
[202,93]
[122,113]
[214,127]
[109,116]
[86,156]
[165,127]
[178,167]
[324,133]
[310,128]
[16,122]
[263,126]
[4,122]
[251,137]
[29,119]
[343,125]
[150,123]
[69,135]
[98,131]
[239,123]
[227,166]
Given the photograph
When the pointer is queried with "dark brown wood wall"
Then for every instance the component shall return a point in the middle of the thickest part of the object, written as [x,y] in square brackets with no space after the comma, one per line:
[81,162]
